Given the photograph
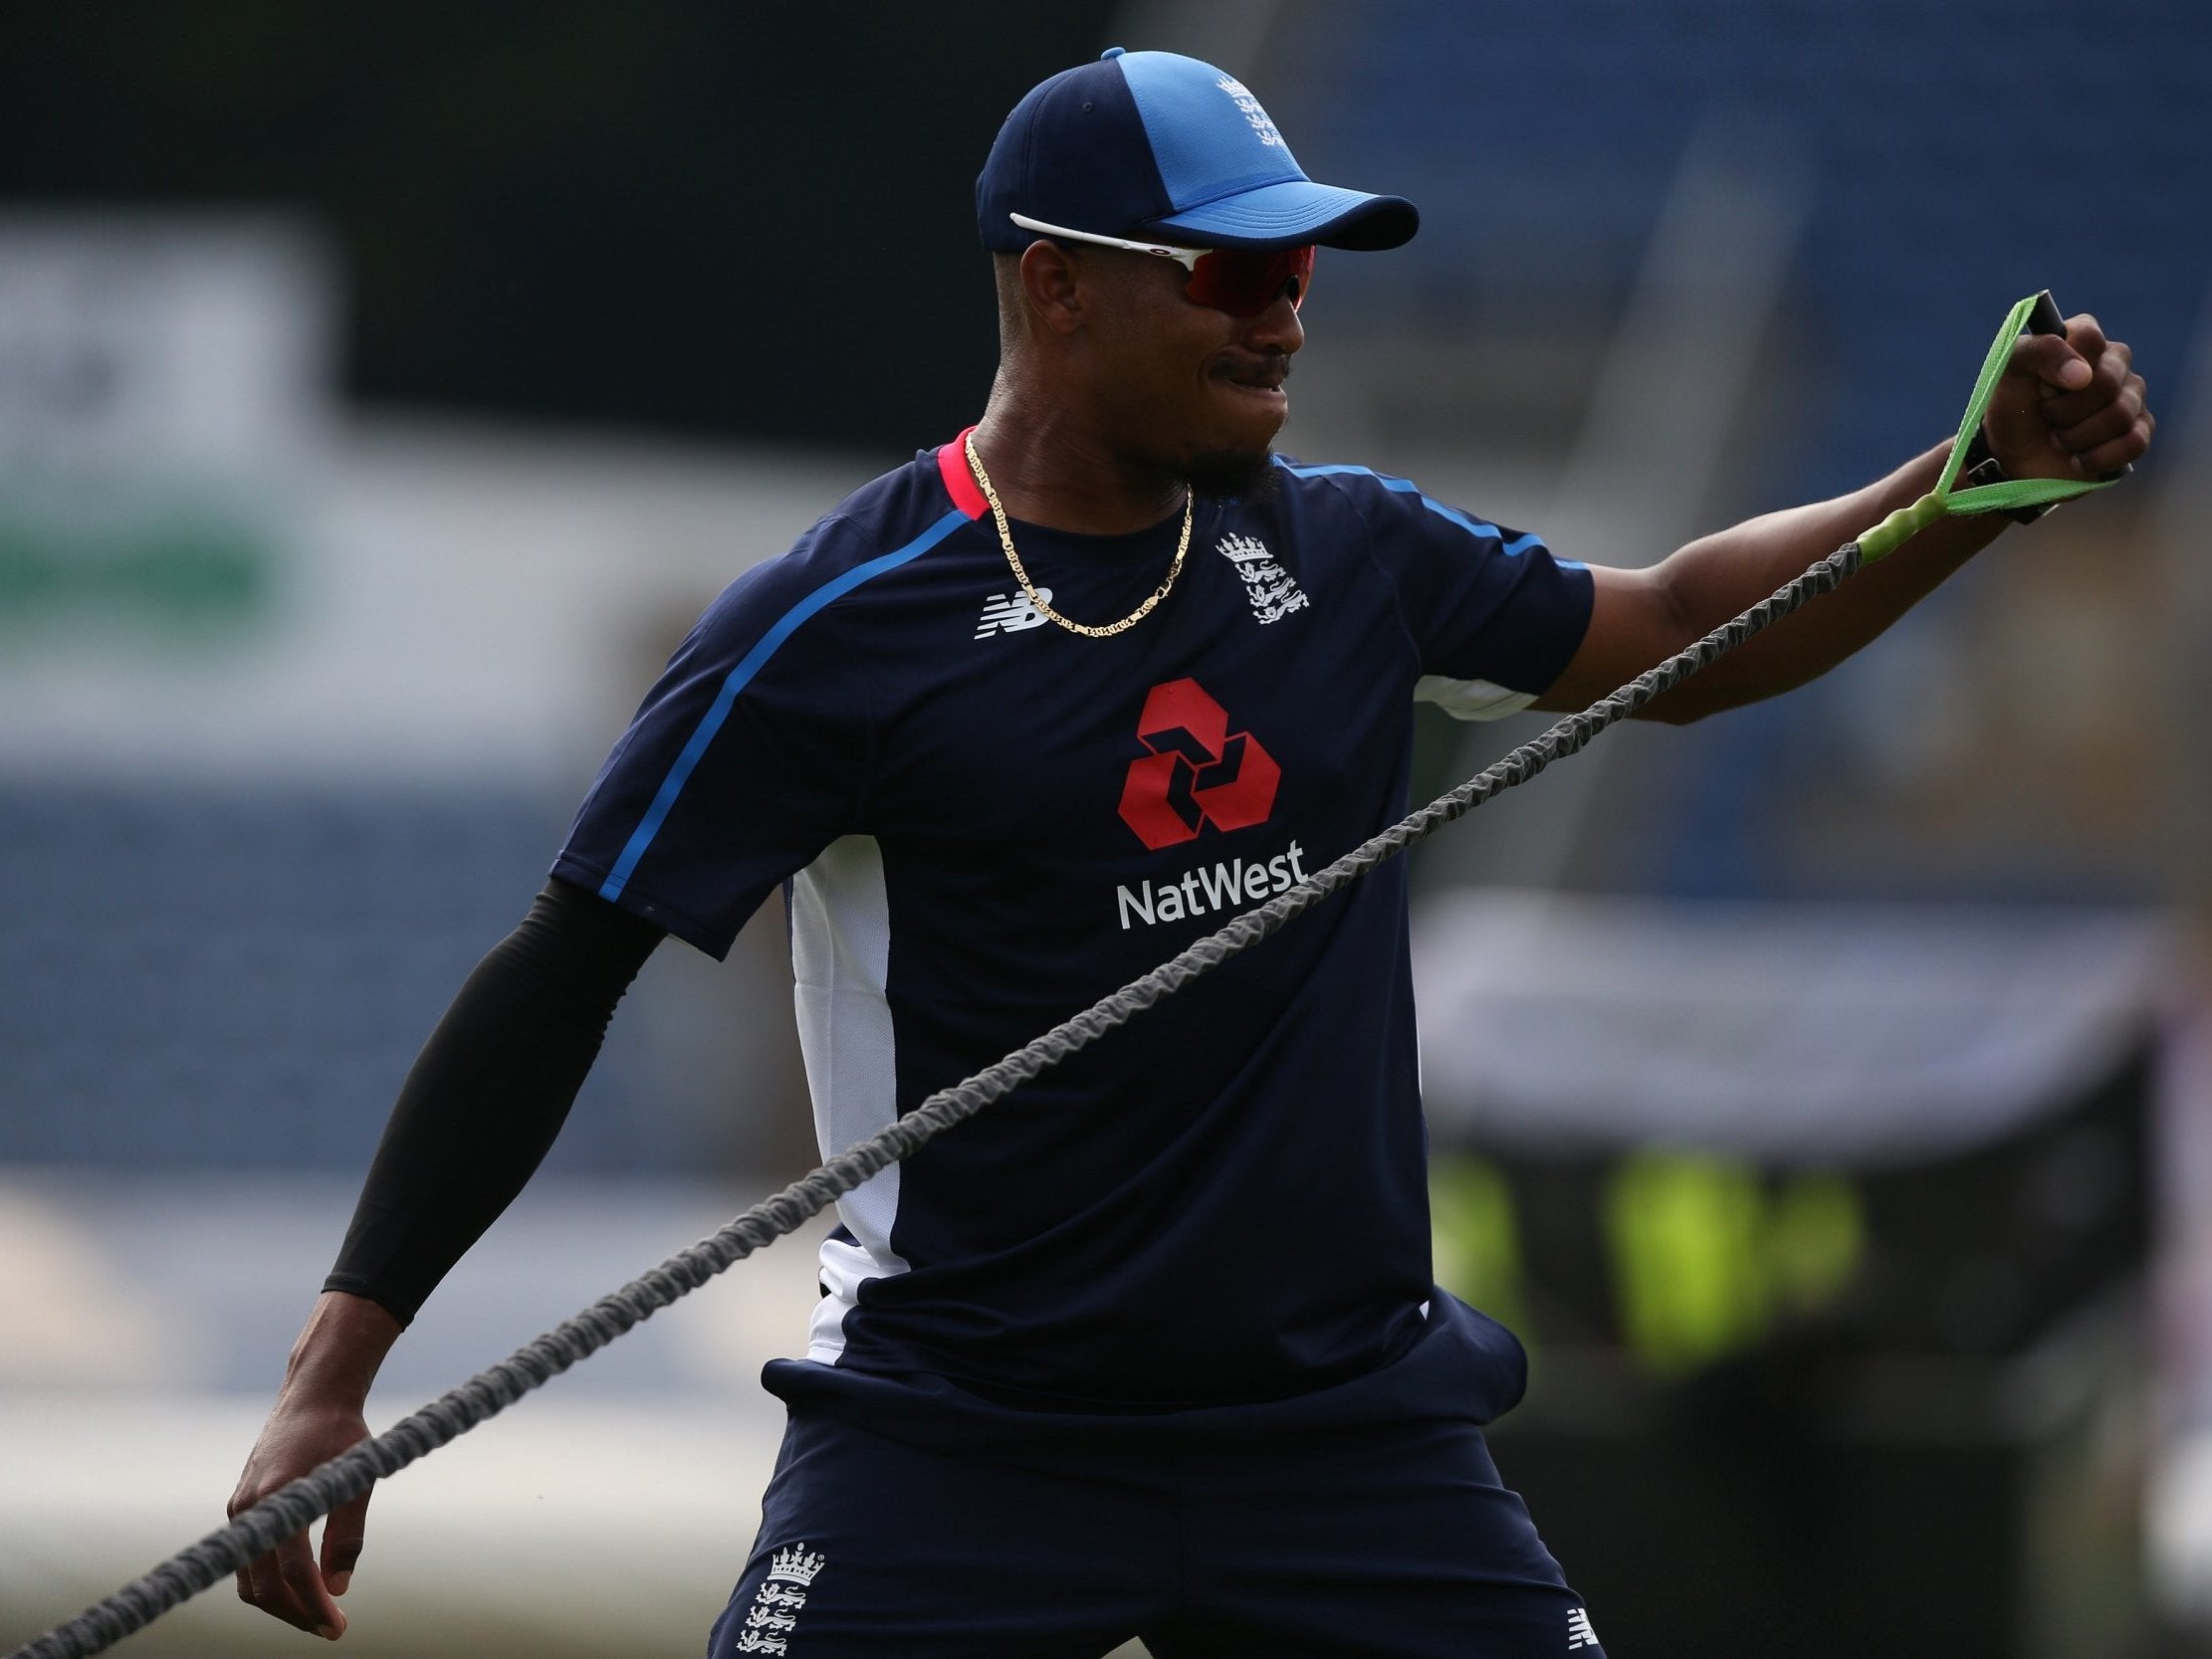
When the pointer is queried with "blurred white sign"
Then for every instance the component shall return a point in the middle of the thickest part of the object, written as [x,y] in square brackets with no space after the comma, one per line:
[163,348]
[1806,1034]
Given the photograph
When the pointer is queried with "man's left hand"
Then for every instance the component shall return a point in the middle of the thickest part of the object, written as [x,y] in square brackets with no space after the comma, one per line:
[2069,408]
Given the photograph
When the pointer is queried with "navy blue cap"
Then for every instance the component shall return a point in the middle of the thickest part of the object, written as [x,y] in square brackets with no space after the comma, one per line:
[1151,145]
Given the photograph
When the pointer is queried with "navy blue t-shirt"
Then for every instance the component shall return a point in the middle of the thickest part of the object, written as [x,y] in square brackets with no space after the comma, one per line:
[988,822]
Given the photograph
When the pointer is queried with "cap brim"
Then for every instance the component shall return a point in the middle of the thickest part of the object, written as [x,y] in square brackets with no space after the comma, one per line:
[1297,211]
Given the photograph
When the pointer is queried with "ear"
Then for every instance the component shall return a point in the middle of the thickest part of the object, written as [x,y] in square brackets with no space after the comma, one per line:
[1048,283]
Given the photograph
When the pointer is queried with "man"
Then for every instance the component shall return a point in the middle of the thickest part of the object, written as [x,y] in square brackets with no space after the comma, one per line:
[1150,1348]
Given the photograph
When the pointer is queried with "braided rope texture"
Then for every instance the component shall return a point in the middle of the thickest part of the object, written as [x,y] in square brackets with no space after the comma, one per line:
[291,1508]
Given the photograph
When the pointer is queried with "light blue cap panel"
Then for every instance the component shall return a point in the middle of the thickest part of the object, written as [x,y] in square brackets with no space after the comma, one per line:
[1297,210]
[1210,137]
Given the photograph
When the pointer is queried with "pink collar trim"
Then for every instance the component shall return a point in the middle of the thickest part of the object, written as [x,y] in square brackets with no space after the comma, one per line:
[960,481]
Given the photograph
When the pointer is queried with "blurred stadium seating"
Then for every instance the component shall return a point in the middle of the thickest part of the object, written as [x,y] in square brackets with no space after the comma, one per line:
[239,978]
[1959,155]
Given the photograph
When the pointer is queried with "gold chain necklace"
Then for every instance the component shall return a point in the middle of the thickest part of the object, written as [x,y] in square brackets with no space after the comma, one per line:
[1006,540]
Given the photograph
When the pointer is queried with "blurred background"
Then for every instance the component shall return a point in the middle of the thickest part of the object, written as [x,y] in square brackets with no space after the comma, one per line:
[1823,1090]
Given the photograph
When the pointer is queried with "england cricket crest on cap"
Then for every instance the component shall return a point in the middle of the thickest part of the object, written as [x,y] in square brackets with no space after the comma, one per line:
[1261,126]
[1274,593]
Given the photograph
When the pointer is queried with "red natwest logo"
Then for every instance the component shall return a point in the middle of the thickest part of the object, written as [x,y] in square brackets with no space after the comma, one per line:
[1199,771]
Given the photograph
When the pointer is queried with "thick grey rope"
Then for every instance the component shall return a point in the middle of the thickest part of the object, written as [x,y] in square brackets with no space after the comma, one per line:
[349,1474]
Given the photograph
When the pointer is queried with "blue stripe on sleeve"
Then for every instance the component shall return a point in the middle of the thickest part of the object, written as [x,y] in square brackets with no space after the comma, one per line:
[741,676]
[1406,487]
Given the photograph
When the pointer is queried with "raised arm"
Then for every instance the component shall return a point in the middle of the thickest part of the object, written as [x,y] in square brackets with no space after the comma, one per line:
[2065,408]
[476,1116]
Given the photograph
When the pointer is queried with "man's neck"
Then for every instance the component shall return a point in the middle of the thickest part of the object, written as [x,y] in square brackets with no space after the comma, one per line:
[1052,468]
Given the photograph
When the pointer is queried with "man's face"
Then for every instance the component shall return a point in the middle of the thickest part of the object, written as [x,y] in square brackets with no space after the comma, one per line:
[1185,387]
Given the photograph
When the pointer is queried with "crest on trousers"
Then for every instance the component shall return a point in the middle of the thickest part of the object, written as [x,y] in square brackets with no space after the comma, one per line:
[1274,593]
[774,1616]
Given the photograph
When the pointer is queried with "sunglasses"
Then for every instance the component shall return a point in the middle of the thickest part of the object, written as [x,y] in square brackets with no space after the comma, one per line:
[1244,281]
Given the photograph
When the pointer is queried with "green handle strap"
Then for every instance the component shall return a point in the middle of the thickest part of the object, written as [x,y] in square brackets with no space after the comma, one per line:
[1943,501]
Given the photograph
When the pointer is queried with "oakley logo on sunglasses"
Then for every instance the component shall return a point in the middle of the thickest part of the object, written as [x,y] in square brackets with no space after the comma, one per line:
[1243,281]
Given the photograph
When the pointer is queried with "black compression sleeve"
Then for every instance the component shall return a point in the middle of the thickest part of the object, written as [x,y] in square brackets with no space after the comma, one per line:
[488,1093]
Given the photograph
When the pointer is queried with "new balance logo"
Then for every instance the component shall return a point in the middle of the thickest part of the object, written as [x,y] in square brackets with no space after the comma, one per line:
[1005,615]
[1579,1633]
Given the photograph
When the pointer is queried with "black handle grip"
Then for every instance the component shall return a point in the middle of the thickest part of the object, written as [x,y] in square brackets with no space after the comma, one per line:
[2047,319]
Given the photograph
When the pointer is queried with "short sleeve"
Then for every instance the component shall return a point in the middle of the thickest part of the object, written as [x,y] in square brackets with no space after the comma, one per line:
[745,760]
[1493,615]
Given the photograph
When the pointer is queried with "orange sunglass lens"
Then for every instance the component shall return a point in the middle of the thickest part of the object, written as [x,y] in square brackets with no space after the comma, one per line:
[1244,281]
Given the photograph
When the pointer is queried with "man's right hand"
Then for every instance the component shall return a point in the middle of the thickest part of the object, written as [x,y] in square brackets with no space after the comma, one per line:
[317,1415]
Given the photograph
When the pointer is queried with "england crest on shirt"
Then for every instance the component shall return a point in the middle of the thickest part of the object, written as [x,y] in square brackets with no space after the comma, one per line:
[1274,593]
